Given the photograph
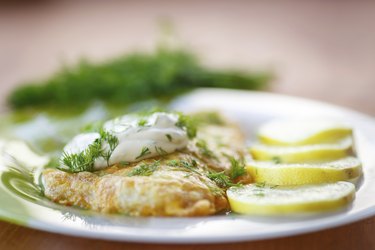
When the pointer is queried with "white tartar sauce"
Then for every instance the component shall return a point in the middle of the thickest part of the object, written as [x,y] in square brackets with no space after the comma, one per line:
[139,138]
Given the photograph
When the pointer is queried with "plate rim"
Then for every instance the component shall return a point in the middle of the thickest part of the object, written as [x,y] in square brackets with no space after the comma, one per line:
[336,222]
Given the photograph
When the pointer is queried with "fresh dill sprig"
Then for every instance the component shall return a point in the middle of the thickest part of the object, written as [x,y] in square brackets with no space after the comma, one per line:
[160,151]
[144,169]
[145,151]
[165,73]
[221,179]
[192,165]
[84,161]
[124,163]
[237,168]
[210,117]
[173,163]
[169,137]
[260,189]
[142,122]
[112,141]
[185,164]
[188,123]
[204,150]
[276,160]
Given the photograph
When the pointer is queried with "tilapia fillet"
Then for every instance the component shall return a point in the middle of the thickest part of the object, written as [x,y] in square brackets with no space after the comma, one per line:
[176,185]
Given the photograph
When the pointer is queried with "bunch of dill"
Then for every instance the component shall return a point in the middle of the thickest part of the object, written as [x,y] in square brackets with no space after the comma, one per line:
[133,77]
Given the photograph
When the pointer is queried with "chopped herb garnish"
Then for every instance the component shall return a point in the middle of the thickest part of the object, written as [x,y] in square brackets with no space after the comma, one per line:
[276,160]
[260,184]
[124,163]
[189,165]
[145,151]
[221,179]
[173,163]
[237,168]
[185,164]
[194,163]
[213,118]
[142,122]
[112,142]
[160,151]
[187,123]
[204,150]
[225,181]
[165,73]
[84,161]
[169,137]
[144,169]
[259,193]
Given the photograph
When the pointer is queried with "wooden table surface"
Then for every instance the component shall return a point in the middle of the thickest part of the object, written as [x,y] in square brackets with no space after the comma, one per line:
[321,50]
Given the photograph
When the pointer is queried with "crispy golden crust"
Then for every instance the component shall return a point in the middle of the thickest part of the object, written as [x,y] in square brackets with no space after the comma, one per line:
[167,191]
[222,141]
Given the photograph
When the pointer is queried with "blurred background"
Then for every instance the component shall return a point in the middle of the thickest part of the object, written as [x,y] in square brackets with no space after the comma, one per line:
[318,49]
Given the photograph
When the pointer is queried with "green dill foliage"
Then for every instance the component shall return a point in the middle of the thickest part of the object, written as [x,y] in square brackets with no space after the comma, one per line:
[145,151]
[84,161]
[112,141]
[221,179]
[264,184]
[276,160]
[142,122]
[160,151]
[169,137]
[124,163]
[213,118]
[173,163]
[237,168]
[259,191]
[188,123]
[144,169]
[137,76]
[260,184]
[204,150]
[185,164]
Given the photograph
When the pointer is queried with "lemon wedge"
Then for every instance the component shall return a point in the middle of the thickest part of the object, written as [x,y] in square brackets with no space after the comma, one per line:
[302,132]
[307,153]
[299,174]
[256,199]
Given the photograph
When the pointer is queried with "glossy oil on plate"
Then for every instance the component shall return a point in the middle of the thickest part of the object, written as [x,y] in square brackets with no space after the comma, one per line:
[21,201]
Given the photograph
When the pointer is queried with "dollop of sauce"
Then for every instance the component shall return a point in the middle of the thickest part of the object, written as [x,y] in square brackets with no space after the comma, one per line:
[139,137]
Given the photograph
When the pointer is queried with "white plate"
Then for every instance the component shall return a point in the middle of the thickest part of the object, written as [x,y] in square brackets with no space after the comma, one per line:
[250,109]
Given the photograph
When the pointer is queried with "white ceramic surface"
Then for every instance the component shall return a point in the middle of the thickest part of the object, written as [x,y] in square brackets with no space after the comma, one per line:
[249,109]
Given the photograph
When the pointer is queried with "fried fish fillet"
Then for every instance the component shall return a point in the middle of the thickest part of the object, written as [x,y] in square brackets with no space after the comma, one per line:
[175,184]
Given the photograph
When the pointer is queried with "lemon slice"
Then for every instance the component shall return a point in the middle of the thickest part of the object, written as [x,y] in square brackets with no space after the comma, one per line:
[299,174]
[307,153]
[302,132]
[269,200]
